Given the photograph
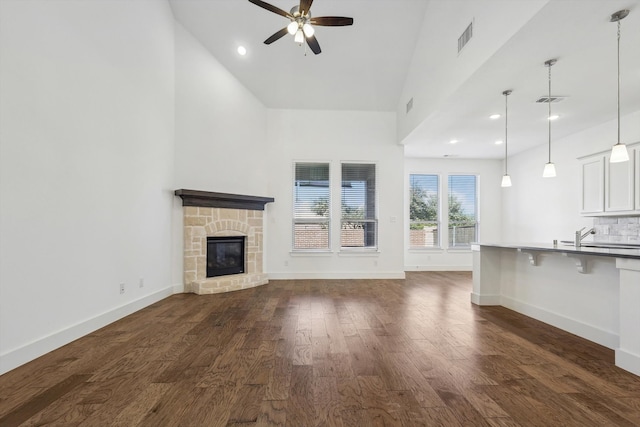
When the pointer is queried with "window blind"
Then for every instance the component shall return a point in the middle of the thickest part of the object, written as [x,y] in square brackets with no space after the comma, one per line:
[311,206]
[463,209]
[311,193]
[424,197]
[424,211]
[358,207]
[462,198]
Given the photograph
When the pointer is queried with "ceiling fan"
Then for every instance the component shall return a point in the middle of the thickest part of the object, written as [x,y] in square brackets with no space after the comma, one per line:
[301,26]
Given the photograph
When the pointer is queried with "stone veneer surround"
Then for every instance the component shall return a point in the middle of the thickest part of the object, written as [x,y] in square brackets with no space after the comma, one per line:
[203,222]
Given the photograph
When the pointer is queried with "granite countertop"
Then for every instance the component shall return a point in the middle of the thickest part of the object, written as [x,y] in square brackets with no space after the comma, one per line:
[567,248]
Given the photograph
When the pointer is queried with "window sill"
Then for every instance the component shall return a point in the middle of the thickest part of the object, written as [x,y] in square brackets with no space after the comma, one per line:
[359,252]
[311,253]
[419,250]
[461,249]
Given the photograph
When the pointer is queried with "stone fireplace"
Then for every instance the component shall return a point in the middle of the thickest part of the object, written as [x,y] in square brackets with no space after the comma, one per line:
[208,214]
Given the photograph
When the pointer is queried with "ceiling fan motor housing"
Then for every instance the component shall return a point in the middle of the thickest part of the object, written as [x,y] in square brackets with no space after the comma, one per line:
[295,11]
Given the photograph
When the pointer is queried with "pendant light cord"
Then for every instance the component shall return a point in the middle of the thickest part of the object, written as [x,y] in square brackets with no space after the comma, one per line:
[506,126]
[618,81]
[549,117]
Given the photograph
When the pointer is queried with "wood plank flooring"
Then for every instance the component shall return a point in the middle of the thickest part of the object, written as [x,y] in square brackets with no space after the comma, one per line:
[325,353]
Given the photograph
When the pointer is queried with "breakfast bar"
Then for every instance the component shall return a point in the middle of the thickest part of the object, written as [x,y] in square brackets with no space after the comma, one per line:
[592,292]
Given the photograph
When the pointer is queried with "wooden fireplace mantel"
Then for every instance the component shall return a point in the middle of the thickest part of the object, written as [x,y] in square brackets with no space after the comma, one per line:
[208,199]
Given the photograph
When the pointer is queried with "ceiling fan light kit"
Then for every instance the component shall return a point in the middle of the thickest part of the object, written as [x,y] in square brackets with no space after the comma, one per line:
[301,25]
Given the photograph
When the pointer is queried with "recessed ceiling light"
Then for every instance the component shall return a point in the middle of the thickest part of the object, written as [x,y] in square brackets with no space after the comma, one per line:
[242,50]
[498,142]
[453,141]
[494,116]
[553,117]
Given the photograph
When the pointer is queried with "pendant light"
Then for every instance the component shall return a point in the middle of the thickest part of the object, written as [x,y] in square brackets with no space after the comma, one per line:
[506,179]
[619,151]
[549,168]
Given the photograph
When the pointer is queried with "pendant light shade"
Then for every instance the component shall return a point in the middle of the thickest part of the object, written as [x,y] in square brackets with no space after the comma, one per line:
[506,179]
[619,151]
[549,168]
[619,154]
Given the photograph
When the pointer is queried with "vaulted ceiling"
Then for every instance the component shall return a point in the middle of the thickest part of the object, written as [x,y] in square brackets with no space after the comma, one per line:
[394,52]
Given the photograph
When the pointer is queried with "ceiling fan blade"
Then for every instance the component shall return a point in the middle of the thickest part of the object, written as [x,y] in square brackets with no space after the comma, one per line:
[272,8]
[277,35]
[305,5]
[332,21]
[314,45]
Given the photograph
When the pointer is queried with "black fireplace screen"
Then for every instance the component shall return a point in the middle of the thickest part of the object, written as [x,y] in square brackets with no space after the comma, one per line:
[225,255]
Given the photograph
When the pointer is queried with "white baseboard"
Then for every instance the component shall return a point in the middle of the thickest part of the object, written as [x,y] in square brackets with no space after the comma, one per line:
[438,268]
[628,361]
[606,338]
[478,299]
[19,356]
[292,275]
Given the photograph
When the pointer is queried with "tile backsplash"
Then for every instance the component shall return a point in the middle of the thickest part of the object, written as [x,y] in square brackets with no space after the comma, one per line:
[622,229]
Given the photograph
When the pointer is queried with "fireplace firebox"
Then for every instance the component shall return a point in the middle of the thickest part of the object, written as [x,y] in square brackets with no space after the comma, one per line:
[225,255]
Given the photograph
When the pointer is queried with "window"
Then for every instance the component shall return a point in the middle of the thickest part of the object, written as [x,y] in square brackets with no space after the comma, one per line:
[424,211]
[359,214]
[463,218]
[311,206]
[425,201]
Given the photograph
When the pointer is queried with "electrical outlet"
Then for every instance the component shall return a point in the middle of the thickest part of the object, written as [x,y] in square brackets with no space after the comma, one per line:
[121,288]
[141,282]
[286,263]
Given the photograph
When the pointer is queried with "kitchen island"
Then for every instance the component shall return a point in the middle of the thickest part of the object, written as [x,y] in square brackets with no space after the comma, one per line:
[591,292]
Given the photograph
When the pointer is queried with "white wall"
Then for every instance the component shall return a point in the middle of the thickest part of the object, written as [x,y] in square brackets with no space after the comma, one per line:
[540,209]
[220,133]
[334,136]
[489,210]
[220,125]
[86,167]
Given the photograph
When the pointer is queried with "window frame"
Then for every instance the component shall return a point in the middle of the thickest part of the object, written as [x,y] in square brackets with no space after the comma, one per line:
[476,213]
[438,244]
[373,221]
[301,220]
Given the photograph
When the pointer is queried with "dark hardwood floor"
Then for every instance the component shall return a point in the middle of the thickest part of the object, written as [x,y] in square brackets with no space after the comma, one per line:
[325,353]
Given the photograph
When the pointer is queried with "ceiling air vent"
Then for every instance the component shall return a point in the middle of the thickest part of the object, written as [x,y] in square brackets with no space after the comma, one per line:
[409,105]
[465,37]
[553,99]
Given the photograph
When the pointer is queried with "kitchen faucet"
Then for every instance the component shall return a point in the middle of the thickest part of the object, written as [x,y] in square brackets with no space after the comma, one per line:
[580,235]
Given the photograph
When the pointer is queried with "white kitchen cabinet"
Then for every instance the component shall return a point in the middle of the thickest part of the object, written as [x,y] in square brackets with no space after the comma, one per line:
[637,175]
[610,188]
[619,185]
[592,182]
